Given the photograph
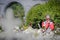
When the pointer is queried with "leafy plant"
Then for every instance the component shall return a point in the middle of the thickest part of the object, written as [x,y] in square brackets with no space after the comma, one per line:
[39,11]
[18,10]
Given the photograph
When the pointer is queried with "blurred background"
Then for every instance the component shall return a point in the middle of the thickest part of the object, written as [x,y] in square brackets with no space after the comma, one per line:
[22,13]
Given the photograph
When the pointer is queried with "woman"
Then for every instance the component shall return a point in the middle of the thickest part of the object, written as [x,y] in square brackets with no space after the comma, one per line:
[48,25]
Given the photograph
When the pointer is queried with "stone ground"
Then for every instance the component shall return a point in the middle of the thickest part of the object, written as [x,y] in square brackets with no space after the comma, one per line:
[23,36]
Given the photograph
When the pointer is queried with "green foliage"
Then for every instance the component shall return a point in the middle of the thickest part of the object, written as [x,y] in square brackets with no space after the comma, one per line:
[18,10]
[39,11]
[55,4]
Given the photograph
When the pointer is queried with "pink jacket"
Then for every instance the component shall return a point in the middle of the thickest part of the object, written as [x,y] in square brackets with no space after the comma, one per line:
[46,25]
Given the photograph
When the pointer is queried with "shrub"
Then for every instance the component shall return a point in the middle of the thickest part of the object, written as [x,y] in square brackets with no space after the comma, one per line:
[39,11]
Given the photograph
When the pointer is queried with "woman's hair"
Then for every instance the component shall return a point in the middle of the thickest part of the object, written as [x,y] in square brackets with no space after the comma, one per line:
[47,16]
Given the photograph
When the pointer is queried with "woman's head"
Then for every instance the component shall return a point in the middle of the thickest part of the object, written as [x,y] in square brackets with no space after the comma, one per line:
[47,17]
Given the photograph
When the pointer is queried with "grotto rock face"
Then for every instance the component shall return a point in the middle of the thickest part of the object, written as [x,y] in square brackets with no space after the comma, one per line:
[8,21]
[27,4]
